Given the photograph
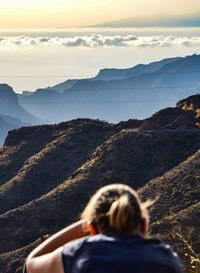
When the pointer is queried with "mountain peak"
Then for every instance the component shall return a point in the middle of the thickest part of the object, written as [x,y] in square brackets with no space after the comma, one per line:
[6,92]
[5,87]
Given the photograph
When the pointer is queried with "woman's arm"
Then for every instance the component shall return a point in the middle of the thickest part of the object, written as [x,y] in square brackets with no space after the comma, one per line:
[47,257]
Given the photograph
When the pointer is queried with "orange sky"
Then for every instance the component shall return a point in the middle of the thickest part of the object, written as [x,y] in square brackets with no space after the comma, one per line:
[72,13]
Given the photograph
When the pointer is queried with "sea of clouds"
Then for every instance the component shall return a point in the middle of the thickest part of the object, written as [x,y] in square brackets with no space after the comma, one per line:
[98,40]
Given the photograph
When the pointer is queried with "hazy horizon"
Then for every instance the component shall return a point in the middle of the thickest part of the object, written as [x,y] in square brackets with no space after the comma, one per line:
[41,44]
[74,13]
[40,58]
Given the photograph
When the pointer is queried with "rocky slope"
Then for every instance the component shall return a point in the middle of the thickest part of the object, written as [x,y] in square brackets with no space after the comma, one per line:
[54,169]
[175,215]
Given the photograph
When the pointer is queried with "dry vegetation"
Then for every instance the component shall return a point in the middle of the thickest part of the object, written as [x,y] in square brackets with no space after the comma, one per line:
[49,173]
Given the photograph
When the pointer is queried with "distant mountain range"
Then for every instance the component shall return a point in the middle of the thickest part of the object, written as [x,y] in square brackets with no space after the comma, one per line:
[118,94]
[9,105]
[136,71]
[48,173]
[8,123]
[12,114]
[157,20]
[113,95]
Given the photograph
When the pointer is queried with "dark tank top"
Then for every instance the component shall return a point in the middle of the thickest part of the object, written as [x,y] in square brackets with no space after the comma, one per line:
[119,254]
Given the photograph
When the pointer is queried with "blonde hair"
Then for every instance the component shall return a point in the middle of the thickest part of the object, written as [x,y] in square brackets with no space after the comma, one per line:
[116,208]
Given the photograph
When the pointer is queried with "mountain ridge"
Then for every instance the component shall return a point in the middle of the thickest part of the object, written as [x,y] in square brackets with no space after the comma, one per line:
[8,123]
[9,98]
[133,71]
[158,155]
[119,98]
[48,172]
[157,20]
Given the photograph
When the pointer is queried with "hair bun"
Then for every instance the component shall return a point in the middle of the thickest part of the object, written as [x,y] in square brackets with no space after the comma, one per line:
[121,214]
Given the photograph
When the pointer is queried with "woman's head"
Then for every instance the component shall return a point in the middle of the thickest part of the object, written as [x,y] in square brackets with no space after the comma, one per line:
[117,208]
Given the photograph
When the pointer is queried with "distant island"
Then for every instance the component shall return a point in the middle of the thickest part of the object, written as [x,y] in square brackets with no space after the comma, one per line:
[157,20]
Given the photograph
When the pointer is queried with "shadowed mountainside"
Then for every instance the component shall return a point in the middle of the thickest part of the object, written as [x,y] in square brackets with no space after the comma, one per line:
[118,94]
[54,169]
[9,105]
[67,147]
[12,114]
[8,123]
[178,192]
[119,74]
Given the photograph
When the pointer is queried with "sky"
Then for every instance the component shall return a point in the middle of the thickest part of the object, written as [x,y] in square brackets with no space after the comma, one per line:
[74,13]
[43,42]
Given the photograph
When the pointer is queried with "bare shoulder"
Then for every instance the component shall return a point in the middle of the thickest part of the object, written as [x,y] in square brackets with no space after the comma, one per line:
[48,263]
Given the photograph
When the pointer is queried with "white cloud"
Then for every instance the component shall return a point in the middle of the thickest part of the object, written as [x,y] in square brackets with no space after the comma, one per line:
[98,40]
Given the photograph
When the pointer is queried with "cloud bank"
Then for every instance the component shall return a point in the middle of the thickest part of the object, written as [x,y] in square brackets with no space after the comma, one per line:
[98,40]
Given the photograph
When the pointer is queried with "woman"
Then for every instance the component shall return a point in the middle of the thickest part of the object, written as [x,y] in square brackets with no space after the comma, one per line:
[110,238]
